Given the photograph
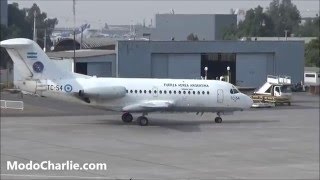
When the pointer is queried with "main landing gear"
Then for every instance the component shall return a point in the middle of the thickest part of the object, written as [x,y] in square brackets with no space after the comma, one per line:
[142,120]
[218,119]
[127,117]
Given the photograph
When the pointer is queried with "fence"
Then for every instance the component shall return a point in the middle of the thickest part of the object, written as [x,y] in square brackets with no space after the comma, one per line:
[12,104]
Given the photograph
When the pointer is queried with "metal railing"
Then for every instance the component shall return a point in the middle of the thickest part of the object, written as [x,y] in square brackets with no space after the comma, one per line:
[5,104]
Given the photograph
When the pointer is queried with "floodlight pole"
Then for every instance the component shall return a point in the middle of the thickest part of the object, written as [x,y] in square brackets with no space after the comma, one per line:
[74,30]
[206,72]
[34,26]
[228,69]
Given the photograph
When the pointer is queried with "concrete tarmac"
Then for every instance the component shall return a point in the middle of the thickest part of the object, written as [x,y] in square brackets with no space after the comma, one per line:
[273,143]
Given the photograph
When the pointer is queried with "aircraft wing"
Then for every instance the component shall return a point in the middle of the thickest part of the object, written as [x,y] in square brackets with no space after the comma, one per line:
[110,92]
[148,106]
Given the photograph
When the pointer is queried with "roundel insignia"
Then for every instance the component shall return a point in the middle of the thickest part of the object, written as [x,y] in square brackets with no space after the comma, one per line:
[67,88]
[38,67]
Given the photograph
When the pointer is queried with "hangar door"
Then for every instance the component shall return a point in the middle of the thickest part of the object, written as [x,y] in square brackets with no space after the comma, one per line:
[186,66]
[176,66]
[99,69]
[159,65]
[252,69]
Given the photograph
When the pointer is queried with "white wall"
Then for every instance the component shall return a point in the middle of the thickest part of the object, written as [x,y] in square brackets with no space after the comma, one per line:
[311,80]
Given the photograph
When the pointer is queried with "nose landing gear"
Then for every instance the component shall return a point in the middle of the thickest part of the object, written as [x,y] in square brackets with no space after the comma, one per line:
[218,119]
[143,121]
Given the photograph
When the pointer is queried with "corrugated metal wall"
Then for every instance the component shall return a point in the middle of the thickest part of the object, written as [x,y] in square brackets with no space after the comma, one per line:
[252,69]
[140,58]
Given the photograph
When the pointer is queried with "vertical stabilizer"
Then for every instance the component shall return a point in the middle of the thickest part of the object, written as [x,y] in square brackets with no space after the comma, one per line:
[31,61]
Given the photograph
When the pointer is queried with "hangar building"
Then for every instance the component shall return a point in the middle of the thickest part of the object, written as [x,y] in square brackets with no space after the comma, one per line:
[161,57]
[100,63]
[250,61]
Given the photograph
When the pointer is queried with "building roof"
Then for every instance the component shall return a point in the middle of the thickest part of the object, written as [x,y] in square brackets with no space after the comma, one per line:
[87,43]
[312,69]
[81,53]
[305,39]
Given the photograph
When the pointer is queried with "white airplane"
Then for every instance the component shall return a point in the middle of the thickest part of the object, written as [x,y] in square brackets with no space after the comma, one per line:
[128,95]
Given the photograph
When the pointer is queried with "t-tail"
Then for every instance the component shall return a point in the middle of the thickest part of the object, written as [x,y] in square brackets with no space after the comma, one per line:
[35,68]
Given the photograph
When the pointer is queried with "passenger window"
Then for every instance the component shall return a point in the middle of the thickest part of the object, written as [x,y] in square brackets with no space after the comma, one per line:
[231,91]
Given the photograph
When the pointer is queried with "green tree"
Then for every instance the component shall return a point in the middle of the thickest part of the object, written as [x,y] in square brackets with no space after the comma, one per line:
[17,24]
[4,32]
[20,25]
[231,33]
[310,28]
[43,23]
[256,23]
[312,56]
[192,37]
[285,16]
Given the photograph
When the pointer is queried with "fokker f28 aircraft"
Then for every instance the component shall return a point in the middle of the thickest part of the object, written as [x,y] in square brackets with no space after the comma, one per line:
[41,76]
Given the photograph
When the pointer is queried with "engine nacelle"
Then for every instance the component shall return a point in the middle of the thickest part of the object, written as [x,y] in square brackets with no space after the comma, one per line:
[111,92]
[31,86]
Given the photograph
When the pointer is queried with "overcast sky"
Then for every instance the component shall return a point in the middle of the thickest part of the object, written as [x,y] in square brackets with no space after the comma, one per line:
[97,12]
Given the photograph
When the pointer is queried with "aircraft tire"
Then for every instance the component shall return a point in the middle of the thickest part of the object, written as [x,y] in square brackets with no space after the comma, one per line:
[143,121]
[218,120]
[127,117]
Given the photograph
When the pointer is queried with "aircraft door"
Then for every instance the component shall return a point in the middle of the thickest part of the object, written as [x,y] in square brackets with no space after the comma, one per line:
[155,92]
[220,96]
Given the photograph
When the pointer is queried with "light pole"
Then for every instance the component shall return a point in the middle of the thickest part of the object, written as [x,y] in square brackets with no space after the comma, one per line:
[206,72]
[286,34]
[34,26]
[45,36]
[228,69]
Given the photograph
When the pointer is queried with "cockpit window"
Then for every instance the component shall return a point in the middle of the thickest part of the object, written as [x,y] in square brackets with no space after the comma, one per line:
[234,90]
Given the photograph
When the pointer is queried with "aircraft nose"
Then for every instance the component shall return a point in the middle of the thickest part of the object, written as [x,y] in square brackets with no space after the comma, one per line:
[248,101]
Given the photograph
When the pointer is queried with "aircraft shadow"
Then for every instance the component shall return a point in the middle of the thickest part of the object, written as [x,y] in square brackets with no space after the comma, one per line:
[180,125]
